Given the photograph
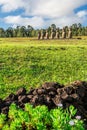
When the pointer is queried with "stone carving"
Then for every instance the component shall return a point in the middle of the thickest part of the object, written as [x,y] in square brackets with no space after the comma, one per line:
[63,33]
[70,33]
[57,33]
[52,33]
[47,34]
[39,35]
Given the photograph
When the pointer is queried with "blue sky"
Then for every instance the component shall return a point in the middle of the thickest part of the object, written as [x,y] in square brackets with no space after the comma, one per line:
[42,13]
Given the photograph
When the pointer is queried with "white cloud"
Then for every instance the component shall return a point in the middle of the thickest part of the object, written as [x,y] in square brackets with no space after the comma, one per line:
[53,8]
[39,22]
[36,22]
[82,13]
[60,12]
[11,5]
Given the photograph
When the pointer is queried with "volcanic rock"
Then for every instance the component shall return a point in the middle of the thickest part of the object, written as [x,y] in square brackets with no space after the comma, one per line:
[21,91]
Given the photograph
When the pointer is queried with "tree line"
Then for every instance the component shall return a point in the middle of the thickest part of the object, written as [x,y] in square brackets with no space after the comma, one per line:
[29,31]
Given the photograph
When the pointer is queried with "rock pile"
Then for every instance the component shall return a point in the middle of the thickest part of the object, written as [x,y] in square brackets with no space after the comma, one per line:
[50,94]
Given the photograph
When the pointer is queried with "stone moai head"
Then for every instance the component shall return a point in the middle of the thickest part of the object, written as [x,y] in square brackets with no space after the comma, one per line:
[70,29]
[42,34]
[63,33]
[39,35]
[69,32]
[52,33]
[63,30]
[57,30]
[47,34]
[52,29]
[57,33]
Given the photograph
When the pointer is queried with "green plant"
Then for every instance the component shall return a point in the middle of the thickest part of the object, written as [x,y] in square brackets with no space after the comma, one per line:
[63,119]
[13,111]
[40,118]
[16,125]
[6,127]
[2,120]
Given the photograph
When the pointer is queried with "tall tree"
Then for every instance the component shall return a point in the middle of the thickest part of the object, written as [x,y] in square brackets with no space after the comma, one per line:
[9,32]
[2,32]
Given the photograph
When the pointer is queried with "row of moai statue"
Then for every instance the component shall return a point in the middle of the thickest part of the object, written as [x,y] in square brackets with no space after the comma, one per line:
[55,34]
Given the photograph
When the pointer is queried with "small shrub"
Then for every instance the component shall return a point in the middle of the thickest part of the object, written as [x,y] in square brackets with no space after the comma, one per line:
[40,118]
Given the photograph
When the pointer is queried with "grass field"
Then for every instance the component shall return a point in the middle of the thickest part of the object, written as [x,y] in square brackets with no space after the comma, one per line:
[27,62]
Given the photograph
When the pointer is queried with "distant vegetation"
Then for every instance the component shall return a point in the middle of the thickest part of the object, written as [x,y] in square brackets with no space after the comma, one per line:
[29,31]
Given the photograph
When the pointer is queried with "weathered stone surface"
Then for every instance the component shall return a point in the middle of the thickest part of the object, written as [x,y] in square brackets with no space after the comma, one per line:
[11,97]
[23,99]
[75,96]
[63,33]
[39,35]
[57,100]
[70,33]
[29,97]
[41,91]
[47,34]
[64,95]
[52,94]
[21,91]
[34,92]
[5,110]
[34,100]
[42,35]
[51,84]
[57,34]
[52,33]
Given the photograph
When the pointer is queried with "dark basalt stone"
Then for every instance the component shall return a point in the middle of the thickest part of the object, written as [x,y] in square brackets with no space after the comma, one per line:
[11,97]
[5,110]
[23,99]
[29,97]
[21,91]
[51,84]
[41,91]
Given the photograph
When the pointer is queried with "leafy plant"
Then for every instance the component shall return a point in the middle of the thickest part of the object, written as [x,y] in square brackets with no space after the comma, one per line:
[2,120]
[40,118]
[63,119]
[13,111]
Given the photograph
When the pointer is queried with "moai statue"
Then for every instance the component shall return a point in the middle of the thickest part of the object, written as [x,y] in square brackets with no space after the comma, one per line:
[42,34]
[39,35]
[70,33]
[47,34]
[52,33]
[63,33]
[57,33]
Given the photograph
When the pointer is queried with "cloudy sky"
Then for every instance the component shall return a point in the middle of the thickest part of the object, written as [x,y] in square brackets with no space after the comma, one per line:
[42,13]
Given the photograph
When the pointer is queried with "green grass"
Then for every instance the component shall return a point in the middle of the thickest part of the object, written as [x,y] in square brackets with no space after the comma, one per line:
[26,62]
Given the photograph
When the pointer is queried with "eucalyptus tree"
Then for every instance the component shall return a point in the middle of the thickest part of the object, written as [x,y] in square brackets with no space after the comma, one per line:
[9,32]
[29,31]
[2,32]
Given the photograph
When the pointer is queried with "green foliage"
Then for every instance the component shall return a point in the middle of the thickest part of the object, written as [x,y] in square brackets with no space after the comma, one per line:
[2,120]
[63,119]
[40,118]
